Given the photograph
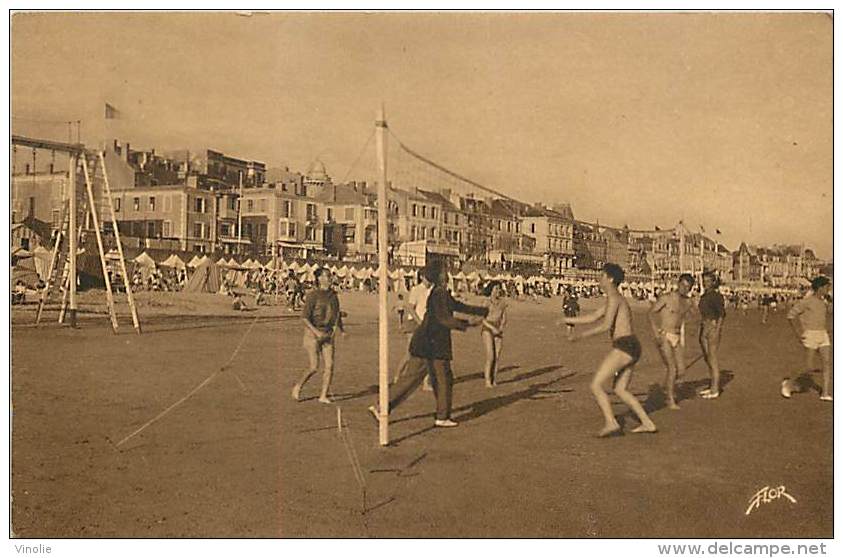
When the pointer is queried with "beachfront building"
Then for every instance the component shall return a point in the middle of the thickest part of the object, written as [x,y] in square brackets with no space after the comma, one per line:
[350,221]
[553,234]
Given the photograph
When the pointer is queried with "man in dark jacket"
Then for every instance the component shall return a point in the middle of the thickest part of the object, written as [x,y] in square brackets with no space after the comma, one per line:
[430,347]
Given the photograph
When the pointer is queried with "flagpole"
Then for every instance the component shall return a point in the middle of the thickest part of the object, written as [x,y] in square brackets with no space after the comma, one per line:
[240,212]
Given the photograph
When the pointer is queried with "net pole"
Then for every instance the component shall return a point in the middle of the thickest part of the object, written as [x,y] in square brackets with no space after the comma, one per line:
[383,325]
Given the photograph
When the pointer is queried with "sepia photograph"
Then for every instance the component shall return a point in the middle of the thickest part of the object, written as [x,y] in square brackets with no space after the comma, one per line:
[423,275]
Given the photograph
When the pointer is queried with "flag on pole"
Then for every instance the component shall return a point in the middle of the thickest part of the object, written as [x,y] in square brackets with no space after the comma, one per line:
[111,113]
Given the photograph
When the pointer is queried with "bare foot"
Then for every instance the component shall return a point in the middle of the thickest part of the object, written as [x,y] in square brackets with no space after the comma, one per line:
[609,430]
[296,392]
[645,429]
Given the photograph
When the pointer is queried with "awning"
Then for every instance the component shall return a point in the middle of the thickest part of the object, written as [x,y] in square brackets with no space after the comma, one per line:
[231,240]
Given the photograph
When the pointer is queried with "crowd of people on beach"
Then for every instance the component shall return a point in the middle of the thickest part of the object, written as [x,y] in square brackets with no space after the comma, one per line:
[427,316]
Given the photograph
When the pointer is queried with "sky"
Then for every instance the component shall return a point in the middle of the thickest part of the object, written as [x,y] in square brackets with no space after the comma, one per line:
[721,120]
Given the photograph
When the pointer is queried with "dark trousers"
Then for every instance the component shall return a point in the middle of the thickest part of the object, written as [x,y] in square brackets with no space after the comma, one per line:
[442,380]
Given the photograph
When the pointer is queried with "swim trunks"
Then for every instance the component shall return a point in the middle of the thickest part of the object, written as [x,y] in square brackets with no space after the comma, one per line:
[815,338]
[630,345]
[672,338]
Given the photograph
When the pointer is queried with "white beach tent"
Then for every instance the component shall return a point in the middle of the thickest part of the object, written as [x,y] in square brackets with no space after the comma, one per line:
[174,261]
[144,260]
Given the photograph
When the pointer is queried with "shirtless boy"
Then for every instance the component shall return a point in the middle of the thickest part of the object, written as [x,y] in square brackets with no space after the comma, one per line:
[626,350]
[672,308]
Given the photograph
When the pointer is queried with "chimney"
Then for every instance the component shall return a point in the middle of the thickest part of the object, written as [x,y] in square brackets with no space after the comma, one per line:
[125,153]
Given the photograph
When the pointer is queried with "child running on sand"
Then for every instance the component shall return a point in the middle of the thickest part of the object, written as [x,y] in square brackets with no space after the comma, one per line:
[626,350]
[399,309]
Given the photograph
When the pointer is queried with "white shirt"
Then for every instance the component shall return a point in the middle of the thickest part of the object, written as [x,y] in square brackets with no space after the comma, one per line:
[418,299]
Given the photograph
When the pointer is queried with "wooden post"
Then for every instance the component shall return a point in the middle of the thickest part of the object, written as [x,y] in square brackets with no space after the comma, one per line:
[54,258]
[109,297]
[126,281]
[73,241]
[383,245]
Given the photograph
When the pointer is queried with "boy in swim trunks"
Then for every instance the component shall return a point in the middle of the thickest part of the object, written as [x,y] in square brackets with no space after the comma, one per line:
[808,319]
[712,313]
[673,308]
[626,350]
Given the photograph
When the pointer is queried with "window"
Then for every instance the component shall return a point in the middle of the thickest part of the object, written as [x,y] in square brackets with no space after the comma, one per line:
[262,205]
[445,217]
[225,230]
[199,205]
[167,229]
[424,211]
[199,230]
[152,203]
[310,233]
[249,230]
[413,232]
[433,232]
[422,233]
[532,227]
[286,228]
[348,234]
[116,204]
[311,212]
[262,230]
[433,213]
[136,204]
[456,219]
[415,210]
[330,214]
[370,235]
[509,226]
[250,206]
[349,214]
[500,225]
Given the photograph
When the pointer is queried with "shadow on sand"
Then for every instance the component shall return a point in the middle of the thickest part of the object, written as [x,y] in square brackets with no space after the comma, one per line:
[472,411]
[657,399]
